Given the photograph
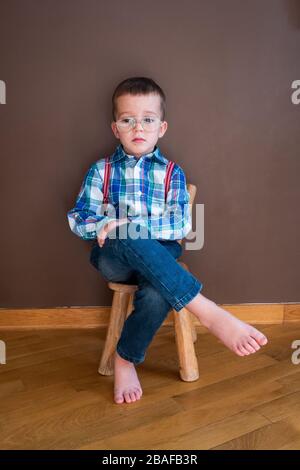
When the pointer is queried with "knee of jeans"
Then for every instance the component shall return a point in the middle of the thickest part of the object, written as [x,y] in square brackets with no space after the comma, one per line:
[151,297]
[116,273]
[107,271]
[99,263]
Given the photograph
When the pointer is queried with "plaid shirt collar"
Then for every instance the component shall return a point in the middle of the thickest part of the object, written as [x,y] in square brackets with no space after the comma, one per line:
[156,154]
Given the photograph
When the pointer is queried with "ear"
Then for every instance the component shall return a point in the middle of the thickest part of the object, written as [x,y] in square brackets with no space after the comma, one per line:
[115,129]
[163,128]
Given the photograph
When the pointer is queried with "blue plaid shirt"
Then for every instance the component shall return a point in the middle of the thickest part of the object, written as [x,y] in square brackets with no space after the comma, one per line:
[136,191]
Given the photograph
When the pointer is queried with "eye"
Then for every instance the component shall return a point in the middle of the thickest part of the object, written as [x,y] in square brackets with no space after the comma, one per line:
[126,120]
[149,119]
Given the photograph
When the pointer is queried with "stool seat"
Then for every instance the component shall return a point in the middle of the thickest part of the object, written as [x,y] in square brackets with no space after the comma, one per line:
[185,332]
[126,288]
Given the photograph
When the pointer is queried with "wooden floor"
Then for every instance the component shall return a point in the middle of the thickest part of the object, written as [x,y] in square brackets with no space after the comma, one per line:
[53,398]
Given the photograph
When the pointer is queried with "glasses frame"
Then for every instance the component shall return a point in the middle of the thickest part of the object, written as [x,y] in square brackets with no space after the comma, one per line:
[135,123]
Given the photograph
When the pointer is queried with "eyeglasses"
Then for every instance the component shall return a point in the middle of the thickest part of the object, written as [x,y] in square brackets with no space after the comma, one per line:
[150,123]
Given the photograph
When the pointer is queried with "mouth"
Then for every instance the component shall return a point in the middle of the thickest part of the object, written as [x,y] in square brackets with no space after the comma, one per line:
[138,139]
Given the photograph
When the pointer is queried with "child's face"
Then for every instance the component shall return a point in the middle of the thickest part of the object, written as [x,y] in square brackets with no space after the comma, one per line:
[139,106]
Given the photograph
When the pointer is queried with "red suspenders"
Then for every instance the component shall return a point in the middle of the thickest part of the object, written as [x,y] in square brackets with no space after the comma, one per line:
[170,167]
[107,169]
[106,180]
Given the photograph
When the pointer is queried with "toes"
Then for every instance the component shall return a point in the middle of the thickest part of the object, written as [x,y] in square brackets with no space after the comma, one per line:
[264,341]
[259,337]
[131,395]
[119,398]
[247,345]
[254,344]
[127,397]
[243,350]
[250,344]
[238,352]
[138,393]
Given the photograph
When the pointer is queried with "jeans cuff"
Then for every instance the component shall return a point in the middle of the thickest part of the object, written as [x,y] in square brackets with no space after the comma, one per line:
[189,296]
[129,358]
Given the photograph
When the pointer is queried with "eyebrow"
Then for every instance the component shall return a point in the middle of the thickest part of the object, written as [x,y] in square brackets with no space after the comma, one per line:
[127,112]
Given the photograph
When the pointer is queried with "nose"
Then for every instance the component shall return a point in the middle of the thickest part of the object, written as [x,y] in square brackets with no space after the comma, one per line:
[138,124]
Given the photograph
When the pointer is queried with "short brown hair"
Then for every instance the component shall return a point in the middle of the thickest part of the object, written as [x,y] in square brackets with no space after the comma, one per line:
[138,86]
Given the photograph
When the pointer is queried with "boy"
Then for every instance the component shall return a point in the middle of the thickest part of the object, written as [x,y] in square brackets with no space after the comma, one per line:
[136,185]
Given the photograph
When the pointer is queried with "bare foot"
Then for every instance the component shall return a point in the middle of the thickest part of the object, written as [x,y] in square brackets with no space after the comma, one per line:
[241,338]
[127,386]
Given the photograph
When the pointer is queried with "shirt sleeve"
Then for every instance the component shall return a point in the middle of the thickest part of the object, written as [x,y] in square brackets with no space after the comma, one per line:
[175,222]
[87,218]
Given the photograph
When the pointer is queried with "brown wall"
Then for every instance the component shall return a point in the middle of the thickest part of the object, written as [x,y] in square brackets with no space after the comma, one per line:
[226,68]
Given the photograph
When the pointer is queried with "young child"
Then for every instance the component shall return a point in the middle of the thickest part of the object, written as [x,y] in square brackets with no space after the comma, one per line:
[136,189]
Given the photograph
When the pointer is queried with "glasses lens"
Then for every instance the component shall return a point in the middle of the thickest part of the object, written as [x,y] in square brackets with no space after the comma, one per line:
[125,124]
[148,123]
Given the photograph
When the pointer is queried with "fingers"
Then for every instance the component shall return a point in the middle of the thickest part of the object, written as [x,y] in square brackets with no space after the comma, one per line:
[101,242]
[101,238]
[107,228]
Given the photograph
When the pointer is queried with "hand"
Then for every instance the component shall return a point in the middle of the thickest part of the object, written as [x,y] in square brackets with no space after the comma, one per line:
[107,228]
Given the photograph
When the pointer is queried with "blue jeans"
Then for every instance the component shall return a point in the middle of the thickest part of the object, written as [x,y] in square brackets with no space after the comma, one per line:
[162,284]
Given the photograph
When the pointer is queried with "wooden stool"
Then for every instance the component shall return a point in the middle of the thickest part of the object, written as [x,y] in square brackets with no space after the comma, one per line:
[185,331]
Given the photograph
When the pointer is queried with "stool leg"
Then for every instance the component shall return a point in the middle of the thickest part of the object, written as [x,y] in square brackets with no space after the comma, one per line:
[193,326]
[188,364]
[130,305]
[117,319]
